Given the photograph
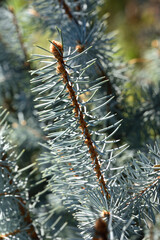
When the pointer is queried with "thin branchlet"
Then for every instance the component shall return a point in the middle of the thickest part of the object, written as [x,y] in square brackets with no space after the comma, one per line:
[4,236]
[146,188]
[27,64]
[80,47]
[67,10]
[22,208]
[57,50]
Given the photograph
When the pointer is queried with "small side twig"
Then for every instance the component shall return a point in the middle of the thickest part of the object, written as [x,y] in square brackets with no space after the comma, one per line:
[68,11]
[22,208]
[27,64]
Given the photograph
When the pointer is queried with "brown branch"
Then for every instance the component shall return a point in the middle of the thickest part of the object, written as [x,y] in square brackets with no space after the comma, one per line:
[80,48]
[22,207]
[26,216]
[68,11]
[101,229]
[9,193]
[144,190]
[3,236]
[78,7]
[57,50]
[27,64]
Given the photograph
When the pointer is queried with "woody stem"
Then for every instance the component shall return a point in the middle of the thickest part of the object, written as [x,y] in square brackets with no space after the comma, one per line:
[68,11]
[78,114]
[24,212]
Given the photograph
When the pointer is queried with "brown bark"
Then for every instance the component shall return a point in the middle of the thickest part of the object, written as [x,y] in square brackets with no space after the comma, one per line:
[58,54]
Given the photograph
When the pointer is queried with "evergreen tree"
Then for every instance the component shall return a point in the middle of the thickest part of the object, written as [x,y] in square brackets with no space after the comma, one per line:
[81,160]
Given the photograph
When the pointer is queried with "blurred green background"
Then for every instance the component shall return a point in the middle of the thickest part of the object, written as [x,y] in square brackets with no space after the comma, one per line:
[138,23]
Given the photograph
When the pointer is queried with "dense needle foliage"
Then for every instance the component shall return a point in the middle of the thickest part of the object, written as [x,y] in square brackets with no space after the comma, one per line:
[82,178]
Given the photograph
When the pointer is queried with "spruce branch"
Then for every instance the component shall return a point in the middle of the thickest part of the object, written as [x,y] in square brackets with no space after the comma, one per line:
[67,10]
[80,46]
[74,155]
[148,188]
[19,35]
[88,31]
[11,194]
[57,50]
[139,182]
[30,229]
